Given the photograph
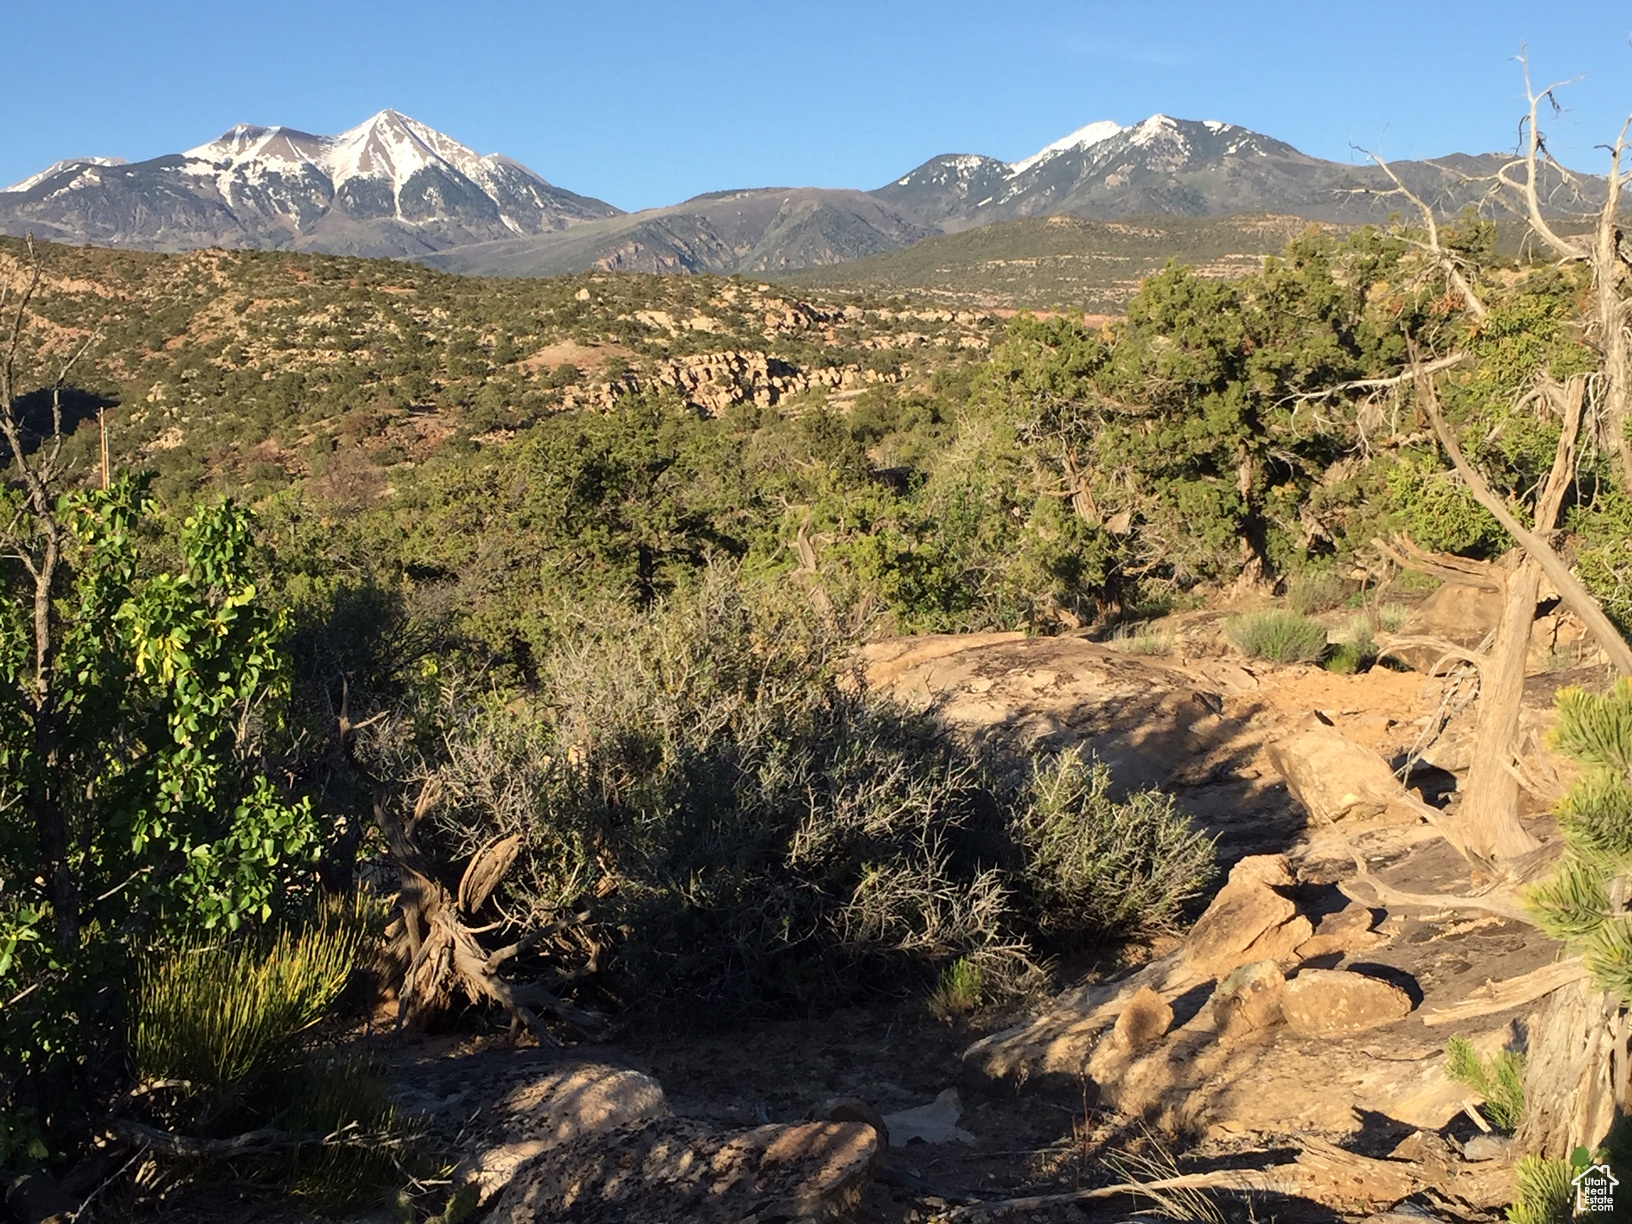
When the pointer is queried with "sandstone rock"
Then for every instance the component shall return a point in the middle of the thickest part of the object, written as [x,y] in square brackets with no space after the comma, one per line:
[1348,930]
[1335,778]
[1247,921]
[675,1169]
[854,1109]
[1146,1018]
[563,1104]
[1275,870]
[1323,1002]
[1404,1213]
[1487,1147]
[1141,718]
[1249,999]
[1458,614]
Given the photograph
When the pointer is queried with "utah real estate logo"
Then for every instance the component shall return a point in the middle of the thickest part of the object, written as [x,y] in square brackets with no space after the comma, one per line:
[1594,1189]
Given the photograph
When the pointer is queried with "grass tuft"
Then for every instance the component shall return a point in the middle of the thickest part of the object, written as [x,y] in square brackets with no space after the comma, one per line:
[1142,639]
[960,990]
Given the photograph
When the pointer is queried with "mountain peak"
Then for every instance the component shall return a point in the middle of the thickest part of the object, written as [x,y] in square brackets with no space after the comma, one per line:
[1090,134]
[390,185]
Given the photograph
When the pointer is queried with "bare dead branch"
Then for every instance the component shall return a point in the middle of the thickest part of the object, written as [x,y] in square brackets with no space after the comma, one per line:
[1574,596]
[1495,997]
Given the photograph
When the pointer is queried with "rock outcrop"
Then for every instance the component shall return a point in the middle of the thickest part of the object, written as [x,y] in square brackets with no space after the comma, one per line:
[678,1169]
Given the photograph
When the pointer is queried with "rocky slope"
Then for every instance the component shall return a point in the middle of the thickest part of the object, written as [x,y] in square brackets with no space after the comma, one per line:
[390,186]
[755,232]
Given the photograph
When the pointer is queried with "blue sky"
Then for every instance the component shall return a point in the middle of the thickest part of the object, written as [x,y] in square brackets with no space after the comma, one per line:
[645,103]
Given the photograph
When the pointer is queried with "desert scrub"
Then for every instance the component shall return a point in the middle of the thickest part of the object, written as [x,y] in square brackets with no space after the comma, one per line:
[742,827]
[1315,591]
[1356,647]
[1391,617]
[1276,635]
[747,827]
[1095,864]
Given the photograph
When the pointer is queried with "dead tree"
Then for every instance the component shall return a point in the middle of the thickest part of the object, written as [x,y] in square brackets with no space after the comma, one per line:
[1576,1079]
[434,949]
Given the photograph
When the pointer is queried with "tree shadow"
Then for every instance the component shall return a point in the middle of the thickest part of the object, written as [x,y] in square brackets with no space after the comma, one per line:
[34,413]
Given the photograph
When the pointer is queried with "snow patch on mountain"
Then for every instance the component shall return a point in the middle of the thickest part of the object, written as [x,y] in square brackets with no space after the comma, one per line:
[387,148]
[1094,133]
[68,163]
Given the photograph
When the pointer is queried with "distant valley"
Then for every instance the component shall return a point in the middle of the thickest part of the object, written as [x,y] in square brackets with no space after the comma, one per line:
[395,187]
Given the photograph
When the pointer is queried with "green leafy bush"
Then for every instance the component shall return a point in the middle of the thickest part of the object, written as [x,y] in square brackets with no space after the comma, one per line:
[1276,635]
[1094,864]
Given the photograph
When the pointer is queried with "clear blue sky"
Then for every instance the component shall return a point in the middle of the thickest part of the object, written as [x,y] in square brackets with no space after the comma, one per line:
[643,102]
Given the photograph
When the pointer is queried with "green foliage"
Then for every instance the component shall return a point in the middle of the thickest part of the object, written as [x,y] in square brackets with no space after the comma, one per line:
[221,1038]
[960,989]
[22,1144]
[1094,864]
[1543,1194]
[1437,511]
[1596,818]
[164,686]
[213,1014]
[1500,1082]
[1276,635]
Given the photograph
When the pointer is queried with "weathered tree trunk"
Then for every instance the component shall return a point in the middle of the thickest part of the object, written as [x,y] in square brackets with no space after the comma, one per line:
[1486,822]
[1569,1075]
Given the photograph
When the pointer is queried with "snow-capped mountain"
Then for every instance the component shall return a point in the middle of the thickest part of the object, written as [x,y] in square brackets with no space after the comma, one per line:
[393,186]
[390,186]
[1161,165]
[58,167]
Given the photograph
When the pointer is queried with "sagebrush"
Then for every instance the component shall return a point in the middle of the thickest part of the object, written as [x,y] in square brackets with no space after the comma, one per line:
[1276,635]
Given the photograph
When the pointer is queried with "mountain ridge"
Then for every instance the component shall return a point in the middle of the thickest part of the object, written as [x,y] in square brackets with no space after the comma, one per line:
[396,187]
[391,186]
